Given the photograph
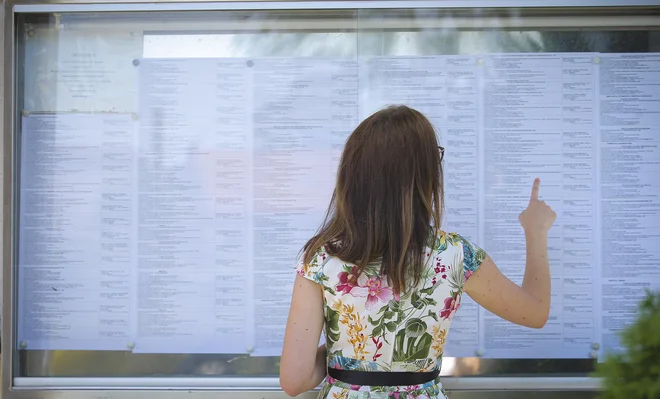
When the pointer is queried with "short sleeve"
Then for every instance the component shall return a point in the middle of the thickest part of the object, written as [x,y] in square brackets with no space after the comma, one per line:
[313,270]
[473,257]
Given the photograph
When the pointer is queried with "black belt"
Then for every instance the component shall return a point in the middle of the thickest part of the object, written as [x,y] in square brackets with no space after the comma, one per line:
[383,378]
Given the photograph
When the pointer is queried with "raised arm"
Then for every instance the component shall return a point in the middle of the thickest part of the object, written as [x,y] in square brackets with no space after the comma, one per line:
[528,305]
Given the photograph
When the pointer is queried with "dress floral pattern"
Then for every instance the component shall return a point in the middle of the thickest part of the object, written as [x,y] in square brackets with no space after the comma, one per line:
[370,328]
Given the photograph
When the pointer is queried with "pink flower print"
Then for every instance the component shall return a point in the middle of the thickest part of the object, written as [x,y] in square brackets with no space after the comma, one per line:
[437,269]
[444,277]
[451,306]
[347,281]
[331,380]
[328,378]
[412,388]
[468,274]
[372,288]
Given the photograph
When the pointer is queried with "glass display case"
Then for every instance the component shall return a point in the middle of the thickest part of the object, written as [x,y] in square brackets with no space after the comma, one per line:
[79,58]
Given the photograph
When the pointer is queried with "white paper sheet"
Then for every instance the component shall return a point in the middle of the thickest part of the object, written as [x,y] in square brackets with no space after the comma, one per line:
[75,232]
[194,187]
[629,143]
[75,71]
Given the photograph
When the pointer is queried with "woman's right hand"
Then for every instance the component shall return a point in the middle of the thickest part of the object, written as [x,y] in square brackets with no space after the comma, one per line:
[538,217]
[528,305]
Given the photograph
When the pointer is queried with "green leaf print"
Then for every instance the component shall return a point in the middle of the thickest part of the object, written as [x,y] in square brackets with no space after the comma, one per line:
[385,321]
[377,331]
[423,302]
[415,296]
[401,315]
[427,291]
[399,340]
[332,326]
[322,278]
[419,349]
[416,301]
[415,365]
[479,257]
[415,327]
[407,349]
[413,342]
[432,314]
[422,363]
[325,390]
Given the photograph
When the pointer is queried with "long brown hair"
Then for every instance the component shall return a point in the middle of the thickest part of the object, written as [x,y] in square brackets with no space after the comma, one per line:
[387,199]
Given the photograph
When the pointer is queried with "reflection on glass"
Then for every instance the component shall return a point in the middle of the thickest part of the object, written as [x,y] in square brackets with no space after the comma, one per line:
[336,44]
[115,42]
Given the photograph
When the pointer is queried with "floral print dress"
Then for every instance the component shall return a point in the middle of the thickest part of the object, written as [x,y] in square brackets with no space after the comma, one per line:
[369,328]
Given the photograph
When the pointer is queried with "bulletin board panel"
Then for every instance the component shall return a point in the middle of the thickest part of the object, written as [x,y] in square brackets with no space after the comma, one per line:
[91,81]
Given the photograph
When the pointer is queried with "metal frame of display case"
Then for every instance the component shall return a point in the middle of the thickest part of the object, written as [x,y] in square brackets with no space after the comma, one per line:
[192,387]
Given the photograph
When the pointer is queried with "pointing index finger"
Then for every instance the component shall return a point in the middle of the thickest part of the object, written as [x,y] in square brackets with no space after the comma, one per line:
[535,189]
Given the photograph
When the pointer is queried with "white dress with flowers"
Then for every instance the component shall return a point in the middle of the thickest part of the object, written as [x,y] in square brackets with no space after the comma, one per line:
[369,328]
